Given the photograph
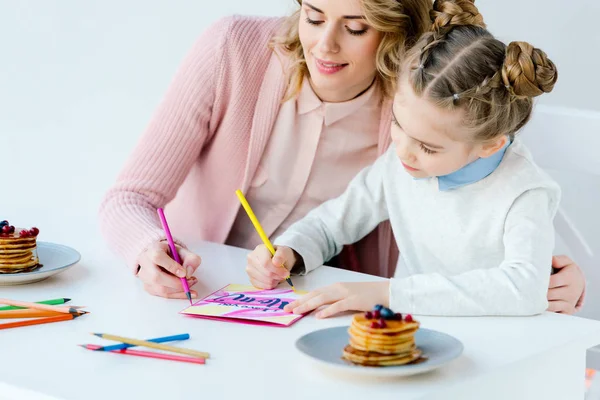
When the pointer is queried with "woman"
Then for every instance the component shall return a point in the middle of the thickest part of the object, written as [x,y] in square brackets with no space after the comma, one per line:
[265,105]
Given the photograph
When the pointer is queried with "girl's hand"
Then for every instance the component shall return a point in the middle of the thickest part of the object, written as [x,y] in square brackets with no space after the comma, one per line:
[355,296]
[264,271]
[160,273]
[567,287]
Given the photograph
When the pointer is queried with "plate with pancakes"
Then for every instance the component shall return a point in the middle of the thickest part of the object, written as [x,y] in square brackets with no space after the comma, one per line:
[380,343]
[25,260]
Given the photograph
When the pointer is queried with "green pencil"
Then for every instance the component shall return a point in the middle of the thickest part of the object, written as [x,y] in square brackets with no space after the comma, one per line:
[52,302]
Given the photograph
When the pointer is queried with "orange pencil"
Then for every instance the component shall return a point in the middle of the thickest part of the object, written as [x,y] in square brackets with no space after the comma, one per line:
[38,306]
[27,322]
[30,313]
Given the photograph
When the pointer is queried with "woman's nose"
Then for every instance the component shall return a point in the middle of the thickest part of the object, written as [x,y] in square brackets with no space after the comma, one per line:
[329,41]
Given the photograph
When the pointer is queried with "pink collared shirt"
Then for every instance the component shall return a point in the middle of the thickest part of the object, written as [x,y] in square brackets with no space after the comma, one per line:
[311,138]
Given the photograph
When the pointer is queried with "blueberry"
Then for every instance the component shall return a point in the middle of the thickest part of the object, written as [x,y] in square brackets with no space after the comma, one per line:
[378,307]
[387,313]
[5,222]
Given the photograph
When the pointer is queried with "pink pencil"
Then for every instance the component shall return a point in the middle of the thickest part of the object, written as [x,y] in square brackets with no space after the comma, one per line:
[149,354]
[165,226]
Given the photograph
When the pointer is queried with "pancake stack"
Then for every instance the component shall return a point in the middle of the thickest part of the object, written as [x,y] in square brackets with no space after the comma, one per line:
[18,249]
[382,338]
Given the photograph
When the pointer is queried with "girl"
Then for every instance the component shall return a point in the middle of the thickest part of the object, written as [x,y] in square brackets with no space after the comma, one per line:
[223,126]
[471,212]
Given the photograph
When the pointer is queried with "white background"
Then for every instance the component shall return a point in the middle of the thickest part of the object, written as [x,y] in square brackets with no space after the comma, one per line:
[80,80]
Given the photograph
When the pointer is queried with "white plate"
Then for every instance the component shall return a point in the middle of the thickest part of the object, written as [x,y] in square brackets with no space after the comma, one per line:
[55,258]
[325,348]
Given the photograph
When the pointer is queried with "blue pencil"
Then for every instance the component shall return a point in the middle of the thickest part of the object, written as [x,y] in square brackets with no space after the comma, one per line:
[183,336]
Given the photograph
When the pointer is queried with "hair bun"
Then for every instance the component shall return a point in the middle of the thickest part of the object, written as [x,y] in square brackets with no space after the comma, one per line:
[527,71]
[448,13]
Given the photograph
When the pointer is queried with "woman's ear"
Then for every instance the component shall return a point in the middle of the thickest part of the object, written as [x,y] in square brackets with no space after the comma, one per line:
[492,147]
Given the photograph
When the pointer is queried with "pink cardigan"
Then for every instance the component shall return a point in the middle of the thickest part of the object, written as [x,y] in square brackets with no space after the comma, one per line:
[206,140]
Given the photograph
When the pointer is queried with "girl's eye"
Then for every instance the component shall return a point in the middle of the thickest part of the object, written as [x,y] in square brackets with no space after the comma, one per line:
[426,150]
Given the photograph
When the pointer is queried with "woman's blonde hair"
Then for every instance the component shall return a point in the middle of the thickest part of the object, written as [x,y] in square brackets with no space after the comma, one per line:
[459,64]
[400,21]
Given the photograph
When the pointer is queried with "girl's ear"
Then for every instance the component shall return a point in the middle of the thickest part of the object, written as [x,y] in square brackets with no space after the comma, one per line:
[492,147]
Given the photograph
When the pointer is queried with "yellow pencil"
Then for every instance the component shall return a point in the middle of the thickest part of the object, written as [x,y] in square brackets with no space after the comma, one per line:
[259,229]
[158,346]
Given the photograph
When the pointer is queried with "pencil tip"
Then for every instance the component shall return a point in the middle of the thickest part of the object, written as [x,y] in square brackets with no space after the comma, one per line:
[189,296]
[76,314]
[66,299]
[289,281]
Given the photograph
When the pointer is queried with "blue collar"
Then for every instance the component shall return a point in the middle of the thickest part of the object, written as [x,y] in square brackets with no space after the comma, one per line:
[473,172]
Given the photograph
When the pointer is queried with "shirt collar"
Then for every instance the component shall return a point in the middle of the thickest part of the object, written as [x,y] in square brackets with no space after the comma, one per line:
[473,172]
[308,101]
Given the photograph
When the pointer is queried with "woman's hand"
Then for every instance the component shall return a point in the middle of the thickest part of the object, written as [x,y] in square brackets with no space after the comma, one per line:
[264,271]
[161,273]
[355,296]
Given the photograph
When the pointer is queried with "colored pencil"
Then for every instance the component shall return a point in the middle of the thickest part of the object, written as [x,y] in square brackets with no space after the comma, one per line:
[163,221]
[38,306]
[145,343]
[148,354]
[49,302]
[183,336]
[38,321]
[30,313]
[259,229]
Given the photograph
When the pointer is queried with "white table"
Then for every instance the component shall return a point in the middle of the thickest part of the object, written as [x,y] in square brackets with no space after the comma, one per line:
[540,357]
